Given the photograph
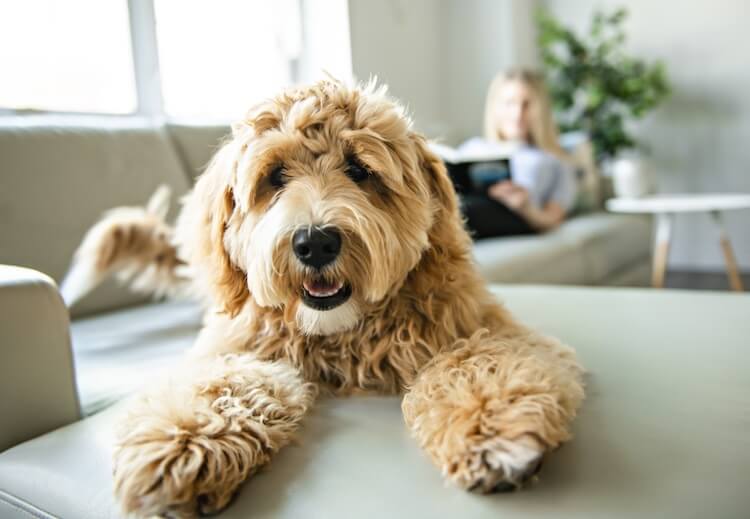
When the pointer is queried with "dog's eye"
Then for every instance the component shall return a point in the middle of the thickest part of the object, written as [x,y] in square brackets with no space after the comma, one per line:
[356,171]
[277,178]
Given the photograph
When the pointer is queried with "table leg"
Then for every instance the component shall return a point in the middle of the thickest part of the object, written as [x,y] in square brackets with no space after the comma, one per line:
[661,249]
[735,282]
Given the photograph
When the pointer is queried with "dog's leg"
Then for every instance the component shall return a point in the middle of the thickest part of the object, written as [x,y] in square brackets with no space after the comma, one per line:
[186,448]
[489,409]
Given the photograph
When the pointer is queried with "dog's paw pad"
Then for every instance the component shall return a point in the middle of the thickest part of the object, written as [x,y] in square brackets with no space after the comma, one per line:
[498,465]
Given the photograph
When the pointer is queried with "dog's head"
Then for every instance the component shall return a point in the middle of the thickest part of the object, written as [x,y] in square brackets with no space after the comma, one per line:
[321,204]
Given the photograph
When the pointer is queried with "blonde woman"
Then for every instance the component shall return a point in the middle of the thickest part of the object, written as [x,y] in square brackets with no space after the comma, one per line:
[543,187]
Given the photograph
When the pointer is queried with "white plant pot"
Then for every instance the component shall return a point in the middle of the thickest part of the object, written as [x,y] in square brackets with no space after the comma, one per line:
[631,177]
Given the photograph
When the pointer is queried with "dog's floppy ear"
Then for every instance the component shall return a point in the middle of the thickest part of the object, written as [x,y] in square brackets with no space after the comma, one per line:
[440,183]
[201,229]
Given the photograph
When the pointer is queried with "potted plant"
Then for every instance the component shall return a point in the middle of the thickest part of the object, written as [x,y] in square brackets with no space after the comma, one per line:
[597,88]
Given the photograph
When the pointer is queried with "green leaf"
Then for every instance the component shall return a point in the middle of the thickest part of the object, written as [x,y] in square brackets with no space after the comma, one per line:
[595,70]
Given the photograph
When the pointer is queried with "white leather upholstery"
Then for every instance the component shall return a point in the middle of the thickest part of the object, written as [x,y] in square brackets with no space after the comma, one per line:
[116,353]
[662,434]
[37,387]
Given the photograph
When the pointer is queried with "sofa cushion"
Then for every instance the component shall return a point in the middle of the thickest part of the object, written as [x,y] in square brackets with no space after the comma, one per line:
[57,177]
[119,352]
[609,242]
[662,433]
[544,258]
[585,250]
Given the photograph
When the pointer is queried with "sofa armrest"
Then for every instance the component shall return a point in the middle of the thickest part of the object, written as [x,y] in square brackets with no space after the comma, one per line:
[37,382]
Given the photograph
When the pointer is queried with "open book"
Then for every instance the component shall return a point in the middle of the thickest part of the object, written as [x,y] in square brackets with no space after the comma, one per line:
[474,150]
[476,164]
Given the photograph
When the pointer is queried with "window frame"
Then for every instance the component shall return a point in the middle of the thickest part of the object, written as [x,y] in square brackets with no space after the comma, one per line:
[146,70]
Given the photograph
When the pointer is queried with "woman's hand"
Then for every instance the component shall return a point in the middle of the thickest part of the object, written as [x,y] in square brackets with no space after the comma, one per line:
[516,198]
[511,195]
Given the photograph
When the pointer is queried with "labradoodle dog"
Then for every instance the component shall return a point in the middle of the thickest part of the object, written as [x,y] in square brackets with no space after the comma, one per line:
[326,240]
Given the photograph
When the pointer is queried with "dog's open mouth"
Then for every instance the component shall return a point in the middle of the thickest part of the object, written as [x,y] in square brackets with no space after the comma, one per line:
[321,294]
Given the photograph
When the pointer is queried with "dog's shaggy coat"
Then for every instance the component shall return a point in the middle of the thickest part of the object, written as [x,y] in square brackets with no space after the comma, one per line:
[483,395]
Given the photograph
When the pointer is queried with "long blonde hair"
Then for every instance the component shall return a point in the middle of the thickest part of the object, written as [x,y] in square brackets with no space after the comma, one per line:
[543,131]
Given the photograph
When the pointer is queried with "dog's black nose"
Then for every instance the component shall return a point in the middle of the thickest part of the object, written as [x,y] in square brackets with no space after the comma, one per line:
[316,247]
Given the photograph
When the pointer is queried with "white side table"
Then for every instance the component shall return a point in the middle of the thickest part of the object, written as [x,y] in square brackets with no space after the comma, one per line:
[664,207]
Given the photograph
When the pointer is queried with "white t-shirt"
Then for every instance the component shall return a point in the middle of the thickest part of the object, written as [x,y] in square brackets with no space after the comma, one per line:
[545,177]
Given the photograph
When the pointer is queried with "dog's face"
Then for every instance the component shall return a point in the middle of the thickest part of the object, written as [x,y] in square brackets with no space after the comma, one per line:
[321,204]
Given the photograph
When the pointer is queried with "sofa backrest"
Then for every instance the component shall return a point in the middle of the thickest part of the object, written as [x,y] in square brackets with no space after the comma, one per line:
[57,178]
[196,144]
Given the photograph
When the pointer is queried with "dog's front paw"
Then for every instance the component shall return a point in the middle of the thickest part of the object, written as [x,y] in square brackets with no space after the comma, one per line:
[180,476]
[497,465]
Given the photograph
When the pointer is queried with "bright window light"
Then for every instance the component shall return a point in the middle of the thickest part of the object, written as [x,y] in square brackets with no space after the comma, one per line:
[326,44]
[219,57]
[70,56]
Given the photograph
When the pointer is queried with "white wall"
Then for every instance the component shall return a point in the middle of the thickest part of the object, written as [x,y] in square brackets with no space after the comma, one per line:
[326,37]
[700,138]
[398,40]
[480,38]
[438,56]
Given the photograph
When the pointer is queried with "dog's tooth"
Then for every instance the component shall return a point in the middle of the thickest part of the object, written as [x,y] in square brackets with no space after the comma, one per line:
[328,291]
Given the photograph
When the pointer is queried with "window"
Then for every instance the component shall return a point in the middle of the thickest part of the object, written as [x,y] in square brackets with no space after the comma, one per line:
[219,57]
[191,59]
[70,56]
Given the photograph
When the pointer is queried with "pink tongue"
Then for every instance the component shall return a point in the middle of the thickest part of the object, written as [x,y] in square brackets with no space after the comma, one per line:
[320,286]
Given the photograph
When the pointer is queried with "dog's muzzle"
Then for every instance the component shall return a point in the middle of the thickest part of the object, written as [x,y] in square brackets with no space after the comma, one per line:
[317,247]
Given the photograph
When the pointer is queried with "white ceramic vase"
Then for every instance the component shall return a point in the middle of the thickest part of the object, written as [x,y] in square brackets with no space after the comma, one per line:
[631,177]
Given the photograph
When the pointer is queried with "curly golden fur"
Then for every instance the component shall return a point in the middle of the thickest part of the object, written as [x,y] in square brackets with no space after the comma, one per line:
[483,395]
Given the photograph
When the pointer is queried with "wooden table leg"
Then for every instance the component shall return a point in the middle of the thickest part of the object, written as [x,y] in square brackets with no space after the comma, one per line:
[661,249]
[735,282]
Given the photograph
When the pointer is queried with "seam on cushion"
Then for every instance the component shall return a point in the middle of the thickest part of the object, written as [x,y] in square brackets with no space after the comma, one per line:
[180,155]
[22,506]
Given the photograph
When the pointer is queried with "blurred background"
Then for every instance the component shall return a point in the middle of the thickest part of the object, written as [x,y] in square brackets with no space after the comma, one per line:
[441,55]
[201,62]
